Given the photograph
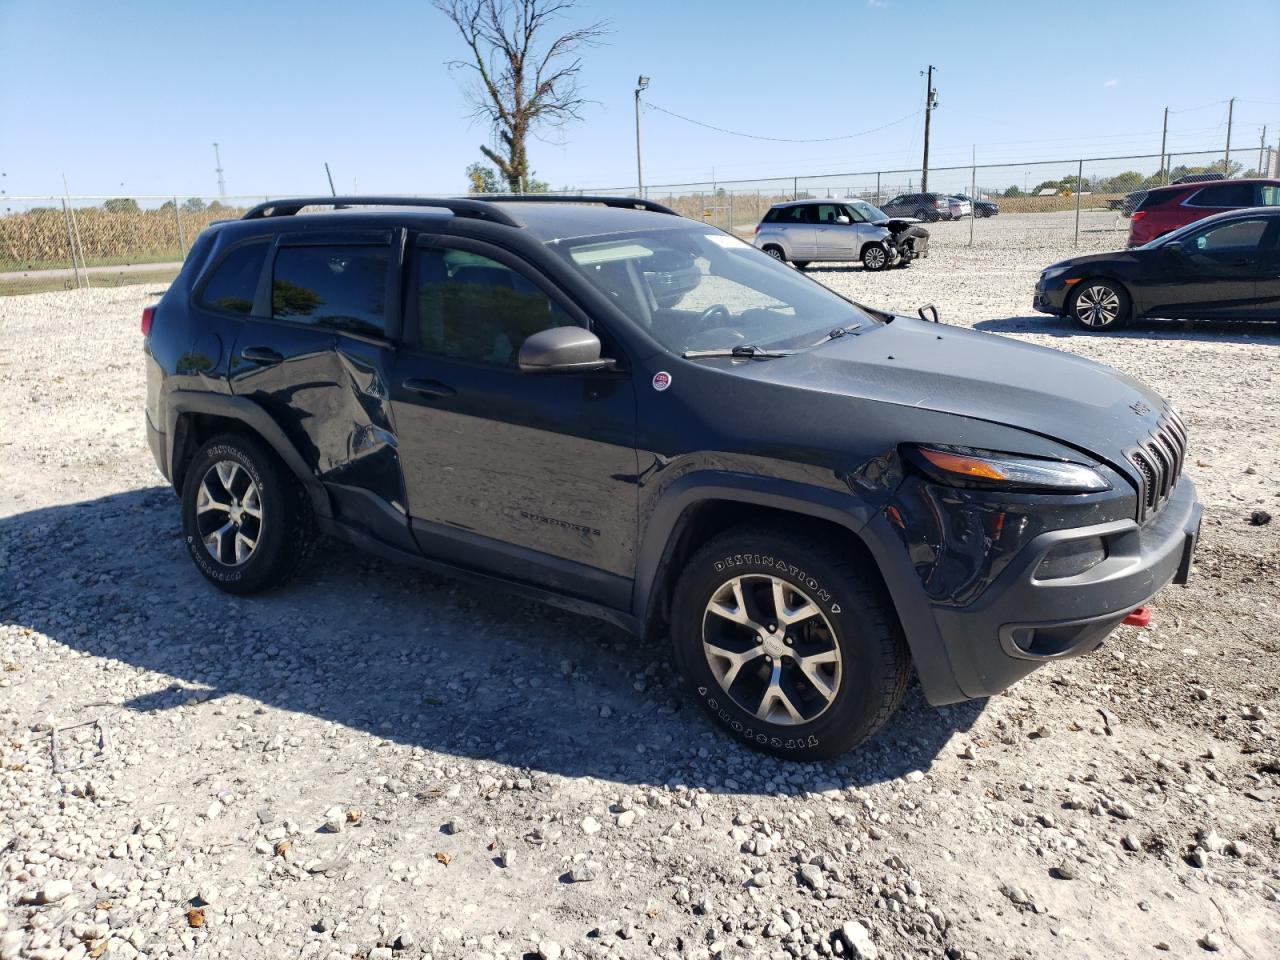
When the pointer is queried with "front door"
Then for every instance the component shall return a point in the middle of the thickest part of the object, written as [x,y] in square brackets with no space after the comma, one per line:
[315,355]
[531,476]
[1211,273]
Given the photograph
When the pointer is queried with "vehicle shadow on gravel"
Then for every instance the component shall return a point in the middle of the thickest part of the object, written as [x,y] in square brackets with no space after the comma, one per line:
[1219,331]
[399,654]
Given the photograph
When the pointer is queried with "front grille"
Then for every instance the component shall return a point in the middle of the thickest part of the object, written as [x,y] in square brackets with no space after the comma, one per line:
[1159,459]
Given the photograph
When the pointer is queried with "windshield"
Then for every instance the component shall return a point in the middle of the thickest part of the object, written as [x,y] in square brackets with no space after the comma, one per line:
[869,211]
[694,288]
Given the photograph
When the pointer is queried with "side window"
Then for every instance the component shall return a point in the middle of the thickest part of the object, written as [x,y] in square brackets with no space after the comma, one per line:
[826,212]
[1231,236]
[895,201]
[794,215]
[1268,196]
[473,308]
[854,214]
[1223,195]
[234,282]
[343,286]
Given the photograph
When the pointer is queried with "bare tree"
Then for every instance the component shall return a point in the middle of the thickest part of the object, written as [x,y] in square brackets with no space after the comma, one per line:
[526,82]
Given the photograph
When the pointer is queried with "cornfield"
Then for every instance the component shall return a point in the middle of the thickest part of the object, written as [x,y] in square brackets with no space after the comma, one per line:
[41,238]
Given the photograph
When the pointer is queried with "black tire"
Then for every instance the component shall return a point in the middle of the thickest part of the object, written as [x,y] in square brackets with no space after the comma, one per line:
[874,257]
[855,617]
[926,216]
[283,533]
[775,251]
[800,264]
[1099,304]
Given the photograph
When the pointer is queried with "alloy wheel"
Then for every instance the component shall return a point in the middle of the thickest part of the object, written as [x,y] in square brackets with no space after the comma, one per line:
[229,513]
[775,253]
[1097,306]
[874,258]
[771,649]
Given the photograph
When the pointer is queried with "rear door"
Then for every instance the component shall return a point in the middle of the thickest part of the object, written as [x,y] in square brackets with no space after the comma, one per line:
[1212,272]
[315,355]
[531,476]
[796,224]
[1268,292]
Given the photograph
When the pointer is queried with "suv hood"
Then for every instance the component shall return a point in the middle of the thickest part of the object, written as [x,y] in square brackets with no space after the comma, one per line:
[1065,398]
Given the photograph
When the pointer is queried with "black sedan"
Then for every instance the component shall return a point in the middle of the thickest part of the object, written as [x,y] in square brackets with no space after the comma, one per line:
[981,208]
[1224,267]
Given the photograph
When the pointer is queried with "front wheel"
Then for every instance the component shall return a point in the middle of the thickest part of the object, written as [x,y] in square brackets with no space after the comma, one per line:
[875,257]
[1100,305]
[788,643]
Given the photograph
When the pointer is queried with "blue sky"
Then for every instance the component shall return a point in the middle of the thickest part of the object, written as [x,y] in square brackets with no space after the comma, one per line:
[127,97]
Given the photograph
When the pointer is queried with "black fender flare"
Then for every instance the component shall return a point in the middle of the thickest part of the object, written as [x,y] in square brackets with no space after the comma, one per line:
[862,520]
[255,418]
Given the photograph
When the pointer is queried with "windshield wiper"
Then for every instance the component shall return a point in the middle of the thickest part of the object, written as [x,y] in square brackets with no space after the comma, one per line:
[743,351]
[839,332]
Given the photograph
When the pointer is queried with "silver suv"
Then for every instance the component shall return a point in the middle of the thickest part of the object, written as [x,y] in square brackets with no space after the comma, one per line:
[803,231]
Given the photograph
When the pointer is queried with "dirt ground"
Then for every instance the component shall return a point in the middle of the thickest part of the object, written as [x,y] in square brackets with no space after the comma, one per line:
[499,778]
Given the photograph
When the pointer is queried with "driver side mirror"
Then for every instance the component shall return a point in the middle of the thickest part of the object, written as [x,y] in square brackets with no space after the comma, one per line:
[842,219]
[1174,246]
[562,350]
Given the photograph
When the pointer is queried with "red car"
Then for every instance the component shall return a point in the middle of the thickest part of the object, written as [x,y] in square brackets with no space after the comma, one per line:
[1167,208]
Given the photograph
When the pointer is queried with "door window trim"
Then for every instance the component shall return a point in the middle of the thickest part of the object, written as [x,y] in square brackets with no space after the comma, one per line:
[512,261]
[392,325]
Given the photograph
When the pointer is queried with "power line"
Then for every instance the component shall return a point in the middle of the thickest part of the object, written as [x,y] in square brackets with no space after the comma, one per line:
[751,136]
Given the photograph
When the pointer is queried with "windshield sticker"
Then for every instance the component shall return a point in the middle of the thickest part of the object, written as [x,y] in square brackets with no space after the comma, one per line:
[593,253]
[661,380]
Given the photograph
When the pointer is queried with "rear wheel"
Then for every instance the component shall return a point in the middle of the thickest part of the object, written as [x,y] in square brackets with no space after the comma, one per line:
[926,216]
[788,643]
[776,252]
[800,264]
[874,257]
[1100,304]
[246,520]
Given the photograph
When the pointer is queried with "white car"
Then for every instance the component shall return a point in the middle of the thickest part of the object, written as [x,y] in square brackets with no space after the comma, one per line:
[804,231]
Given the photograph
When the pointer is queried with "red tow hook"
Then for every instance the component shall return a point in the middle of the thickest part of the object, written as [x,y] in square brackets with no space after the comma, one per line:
[1139,618]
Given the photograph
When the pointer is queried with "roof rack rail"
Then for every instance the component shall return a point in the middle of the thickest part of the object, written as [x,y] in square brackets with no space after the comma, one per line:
[460,207]
[626,203]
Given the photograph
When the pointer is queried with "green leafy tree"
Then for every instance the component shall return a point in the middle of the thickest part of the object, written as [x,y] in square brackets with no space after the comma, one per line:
[192,205]
[1013,191]
[120,205]
[526,74]
[482,179]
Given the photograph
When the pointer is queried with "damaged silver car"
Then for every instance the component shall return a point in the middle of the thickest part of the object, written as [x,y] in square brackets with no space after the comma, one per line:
[803,231]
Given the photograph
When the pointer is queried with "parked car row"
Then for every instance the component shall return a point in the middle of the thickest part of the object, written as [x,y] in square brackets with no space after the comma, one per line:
[928,207]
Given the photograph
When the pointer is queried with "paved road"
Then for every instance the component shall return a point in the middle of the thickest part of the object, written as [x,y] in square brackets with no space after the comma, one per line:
[70,272]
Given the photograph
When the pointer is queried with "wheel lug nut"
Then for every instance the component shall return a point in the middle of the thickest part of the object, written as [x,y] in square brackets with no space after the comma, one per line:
[773,627]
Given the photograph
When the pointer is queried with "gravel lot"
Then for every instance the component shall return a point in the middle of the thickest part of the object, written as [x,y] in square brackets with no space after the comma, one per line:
[377,763]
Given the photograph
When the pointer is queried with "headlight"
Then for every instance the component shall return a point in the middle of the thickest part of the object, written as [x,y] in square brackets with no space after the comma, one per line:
[966,467]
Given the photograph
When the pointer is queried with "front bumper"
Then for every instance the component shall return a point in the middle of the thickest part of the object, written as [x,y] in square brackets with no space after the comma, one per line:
[1050,296]
[1021,622]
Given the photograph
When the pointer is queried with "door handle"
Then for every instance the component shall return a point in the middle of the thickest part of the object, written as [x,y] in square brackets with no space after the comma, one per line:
[261,355]
[428,388]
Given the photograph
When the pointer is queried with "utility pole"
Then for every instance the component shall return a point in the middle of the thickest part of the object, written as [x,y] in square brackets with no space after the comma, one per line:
[1262,142]
[1164,139]
[930,101]
[1226,158]
[222,184]
[641,84]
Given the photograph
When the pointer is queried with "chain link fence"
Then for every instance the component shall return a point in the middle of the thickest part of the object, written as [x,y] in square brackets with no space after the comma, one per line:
[67,243]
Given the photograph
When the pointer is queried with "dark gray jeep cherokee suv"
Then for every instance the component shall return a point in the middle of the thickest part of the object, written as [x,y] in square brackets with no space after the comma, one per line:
[604,405]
